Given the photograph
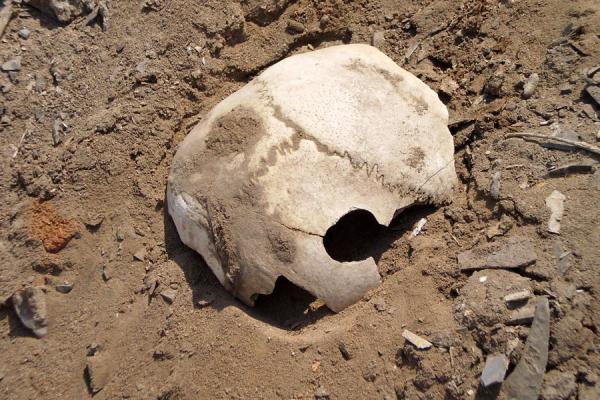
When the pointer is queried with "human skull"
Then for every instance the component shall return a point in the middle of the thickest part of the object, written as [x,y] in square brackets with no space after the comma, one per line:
[258,182]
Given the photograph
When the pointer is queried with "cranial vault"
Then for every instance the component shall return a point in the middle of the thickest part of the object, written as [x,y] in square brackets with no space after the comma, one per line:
[258,182]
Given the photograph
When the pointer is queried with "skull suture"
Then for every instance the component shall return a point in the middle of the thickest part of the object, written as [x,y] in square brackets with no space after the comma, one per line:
[256,185]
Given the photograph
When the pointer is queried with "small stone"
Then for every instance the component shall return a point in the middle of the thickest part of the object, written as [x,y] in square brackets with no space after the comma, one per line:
[321,393]
[530,85]
[555,202]
[594,92]
[92,349]
[494,370]
[24,33]
[169,295]
[93,221]
[416,340]
[97,373]
[140,255]
[516,252]
[58,131]
[344,350]
[30,306]
[106,275]
[378,39]
[119,235]
[522,316]
[65,287]
[518,296]
[495,185]
[295,27]
[12,65]
[449,87]
[379,304]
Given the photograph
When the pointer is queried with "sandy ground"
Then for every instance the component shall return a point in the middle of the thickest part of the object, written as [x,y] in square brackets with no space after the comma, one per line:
[91,120]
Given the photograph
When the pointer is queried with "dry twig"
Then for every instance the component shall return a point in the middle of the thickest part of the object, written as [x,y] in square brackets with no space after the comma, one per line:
[580,145]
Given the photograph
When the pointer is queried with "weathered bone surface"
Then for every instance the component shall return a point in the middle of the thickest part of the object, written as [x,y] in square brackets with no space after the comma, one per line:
[256,185]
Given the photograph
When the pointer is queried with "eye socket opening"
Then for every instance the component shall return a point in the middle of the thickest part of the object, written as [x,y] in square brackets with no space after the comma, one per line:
[354,236]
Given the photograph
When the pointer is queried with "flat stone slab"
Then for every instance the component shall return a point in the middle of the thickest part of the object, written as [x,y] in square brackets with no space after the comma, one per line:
[494,370]
[525,382]
[516,252]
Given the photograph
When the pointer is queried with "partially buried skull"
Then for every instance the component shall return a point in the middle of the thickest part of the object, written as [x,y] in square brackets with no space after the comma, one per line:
[257,184]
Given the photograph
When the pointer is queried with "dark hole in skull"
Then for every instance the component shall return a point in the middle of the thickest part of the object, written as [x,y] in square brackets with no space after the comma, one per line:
[289,306]
[353,237]
[358,236]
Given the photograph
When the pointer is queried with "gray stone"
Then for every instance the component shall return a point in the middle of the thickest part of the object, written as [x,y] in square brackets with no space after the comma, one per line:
[379,304]
[12,65]
[378,39]
[522,316]
[97,373]
[495,185]
[65,287]
[516,252]
[169,295]
[321,393]
[344,350]
[530,85]
[525,381]
[594,92]
[494,370]
[30,306]
[24,33]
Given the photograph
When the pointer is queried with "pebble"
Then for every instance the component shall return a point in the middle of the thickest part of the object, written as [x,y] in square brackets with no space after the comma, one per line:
[517,296]
[555,202]
[140,255]
[530,85]
[321,393]
[24,33]
[494,370]
[12,65]
[525,381]
[30,306]
[65,287]
[416,340]
[495,185]
[169,295]
[378,39]
[295,27]
[516,252]
[344,350]
[379,304]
